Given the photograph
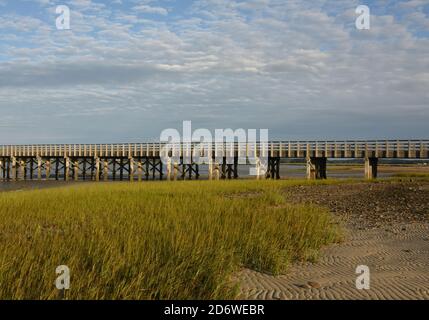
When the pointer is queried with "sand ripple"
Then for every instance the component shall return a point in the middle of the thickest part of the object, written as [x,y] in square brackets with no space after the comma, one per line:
[398,259]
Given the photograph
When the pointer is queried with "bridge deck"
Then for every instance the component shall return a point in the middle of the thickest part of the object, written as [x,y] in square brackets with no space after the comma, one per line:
[412,149]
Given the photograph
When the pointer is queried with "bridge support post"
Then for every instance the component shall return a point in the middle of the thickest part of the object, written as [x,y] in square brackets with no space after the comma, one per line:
[223,169]
[27,169]
[76,169]
[48,169]
[13,160]
[131,169]
[146,172]
[261,170]
[230,170]
[22,169]
[17,169]
[97,169]
[316,168]
[105,169]
[57,168]
[114,163]
[175,170]
[189,169]
[6,165]
[371,168]
[84,169]
[193,171]
[311,170]
[184,170]
[121,169]
[8,169]
[5,169]
[66,169]
[140,170]
[3,165]
[168,170]
[216,168]
[39,168]
[273,171]
[197,171]
[31,168]
[210,169]
[161,172]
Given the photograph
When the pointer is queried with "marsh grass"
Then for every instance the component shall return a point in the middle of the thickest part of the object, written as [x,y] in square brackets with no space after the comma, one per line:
[181,240]
[411,175]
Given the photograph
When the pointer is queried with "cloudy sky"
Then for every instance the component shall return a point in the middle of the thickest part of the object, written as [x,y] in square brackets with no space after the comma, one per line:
[128,69]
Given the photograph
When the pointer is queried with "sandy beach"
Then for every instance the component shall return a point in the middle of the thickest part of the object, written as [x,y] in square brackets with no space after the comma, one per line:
[386,228]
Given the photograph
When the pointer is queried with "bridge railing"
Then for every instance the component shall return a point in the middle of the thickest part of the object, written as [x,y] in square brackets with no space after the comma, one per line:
[284,149]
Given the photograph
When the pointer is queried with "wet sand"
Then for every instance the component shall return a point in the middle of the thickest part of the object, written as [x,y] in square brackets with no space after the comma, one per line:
[32,185]
[392,240]
[398,260]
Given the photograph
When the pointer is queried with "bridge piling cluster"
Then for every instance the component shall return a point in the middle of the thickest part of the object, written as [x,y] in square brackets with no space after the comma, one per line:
[371,168]
[316,168]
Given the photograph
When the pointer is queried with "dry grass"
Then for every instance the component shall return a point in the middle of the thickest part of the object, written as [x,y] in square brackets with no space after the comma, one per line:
[411,175]
[180,240]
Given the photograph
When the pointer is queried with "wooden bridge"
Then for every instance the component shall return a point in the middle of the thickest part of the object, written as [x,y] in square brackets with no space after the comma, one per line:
[143,161]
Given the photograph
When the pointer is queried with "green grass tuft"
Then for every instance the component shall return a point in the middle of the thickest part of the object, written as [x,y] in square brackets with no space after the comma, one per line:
[180,240]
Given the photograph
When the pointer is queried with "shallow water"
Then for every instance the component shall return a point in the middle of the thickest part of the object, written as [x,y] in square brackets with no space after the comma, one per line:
[287,171]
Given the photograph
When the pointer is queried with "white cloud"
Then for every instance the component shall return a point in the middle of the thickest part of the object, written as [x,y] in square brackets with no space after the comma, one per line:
[150,9]
[294,67]
[413,3]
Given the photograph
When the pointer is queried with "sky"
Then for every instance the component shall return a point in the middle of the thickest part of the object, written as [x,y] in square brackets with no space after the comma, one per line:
[126,70]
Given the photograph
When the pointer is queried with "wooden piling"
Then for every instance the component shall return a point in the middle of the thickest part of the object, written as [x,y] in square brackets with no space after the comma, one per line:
[47,169]
[97,169]
[140,171]
[105,169]
[131,169]
[371,168]
[14,173]
[76,169]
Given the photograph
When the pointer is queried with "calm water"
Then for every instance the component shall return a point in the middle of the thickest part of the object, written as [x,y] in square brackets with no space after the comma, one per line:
[287,171]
